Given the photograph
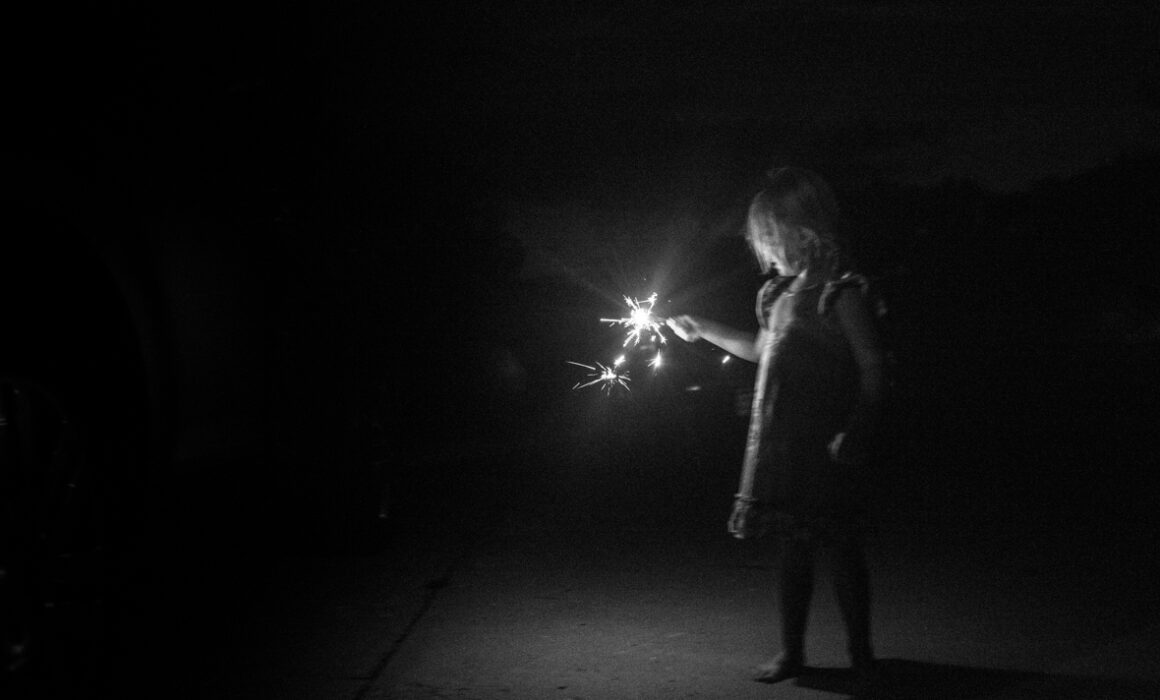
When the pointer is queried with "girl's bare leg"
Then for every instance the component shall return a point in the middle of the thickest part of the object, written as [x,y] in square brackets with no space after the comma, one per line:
[795,581]
[852,589]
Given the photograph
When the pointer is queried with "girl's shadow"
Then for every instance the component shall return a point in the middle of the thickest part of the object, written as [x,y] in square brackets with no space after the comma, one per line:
[900,679]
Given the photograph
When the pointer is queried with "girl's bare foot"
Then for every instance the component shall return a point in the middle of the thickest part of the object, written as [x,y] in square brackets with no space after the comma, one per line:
[779,668]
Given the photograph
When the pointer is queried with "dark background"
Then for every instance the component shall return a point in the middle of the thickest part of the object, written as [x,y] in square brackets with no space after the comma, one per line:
[277,263]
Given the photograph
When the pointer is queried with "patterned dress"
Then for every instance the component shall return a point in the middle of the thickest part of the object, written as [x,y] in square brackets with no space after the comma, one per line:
[805,393]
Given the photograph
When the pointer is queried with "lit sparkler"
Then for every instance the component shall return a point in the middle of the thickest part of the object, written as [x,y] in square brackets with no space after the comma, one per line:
[655,363]
[606,377]
[639,320]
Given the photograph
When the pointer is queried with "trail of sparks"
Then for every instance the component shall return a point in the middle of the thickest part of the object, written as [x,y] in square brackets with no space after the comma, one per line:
[606,377]
[639,320]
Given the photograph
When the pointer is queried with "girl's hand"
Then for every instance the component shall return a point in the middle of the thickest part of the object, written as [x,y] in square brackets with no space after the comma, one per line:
[687,328]
[749,519]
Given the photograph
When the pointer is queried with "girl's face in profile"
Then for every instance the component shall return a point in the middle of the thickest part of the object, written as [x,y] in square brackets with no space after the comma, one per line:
[774,253]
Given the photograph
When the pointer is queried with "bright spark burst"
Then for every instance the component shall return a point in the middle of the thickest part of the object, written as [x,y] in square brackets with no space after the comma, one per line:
[639,320]
[655,363]
[606,377]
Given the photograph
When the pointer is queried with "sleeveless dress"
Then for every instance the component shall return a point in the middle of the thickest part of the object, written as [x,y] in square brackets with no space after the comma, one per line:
[805,393]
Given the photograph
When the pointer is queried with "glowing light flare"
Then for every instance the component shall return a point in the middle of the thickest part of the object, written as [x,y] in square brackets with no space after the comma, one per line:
[640,320]
[655,363]
[607,377]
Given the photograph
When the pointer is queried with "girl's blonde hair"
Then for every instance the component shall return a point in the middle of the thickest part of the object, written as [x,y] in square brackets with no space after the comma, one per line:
[797,213]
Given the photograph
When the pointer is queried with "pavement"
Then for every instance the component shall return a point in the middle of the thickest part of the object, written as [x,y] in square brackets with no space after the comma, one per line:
[596,565]
[624,611]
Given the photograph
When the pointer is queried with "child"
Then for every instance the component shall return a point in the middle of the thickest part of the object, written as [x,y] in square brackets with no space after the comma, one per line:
[818,389]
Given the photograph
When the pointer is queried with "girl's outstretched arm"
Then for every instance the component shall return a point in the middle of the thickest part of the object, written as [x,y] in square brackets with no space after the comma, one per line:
[737,342]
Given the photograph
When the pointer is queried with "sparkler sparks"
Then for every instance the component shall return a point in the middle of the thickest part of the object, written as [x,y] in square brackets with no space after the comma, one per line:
[606,377]
[639,320]
[641,325]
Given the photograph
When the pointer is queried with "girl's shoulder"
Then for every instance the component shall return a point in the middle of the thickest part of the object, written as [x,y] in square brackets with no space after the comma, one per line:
[833,289]
[773,288]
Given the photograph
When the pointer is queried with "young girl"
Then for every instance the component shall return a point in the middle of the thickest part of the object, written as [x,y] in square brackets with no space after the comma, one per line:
[818,388]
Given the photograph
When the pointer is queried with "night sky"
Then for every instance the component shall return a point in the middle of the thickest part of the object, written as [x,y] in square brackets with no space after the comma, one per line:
[645,112]
[575,125]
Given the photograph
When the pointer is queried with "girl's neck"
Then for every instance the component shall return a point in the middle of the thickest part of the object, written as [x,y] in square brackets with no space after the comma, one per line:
[817,273]
[804,277]
[802,281]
